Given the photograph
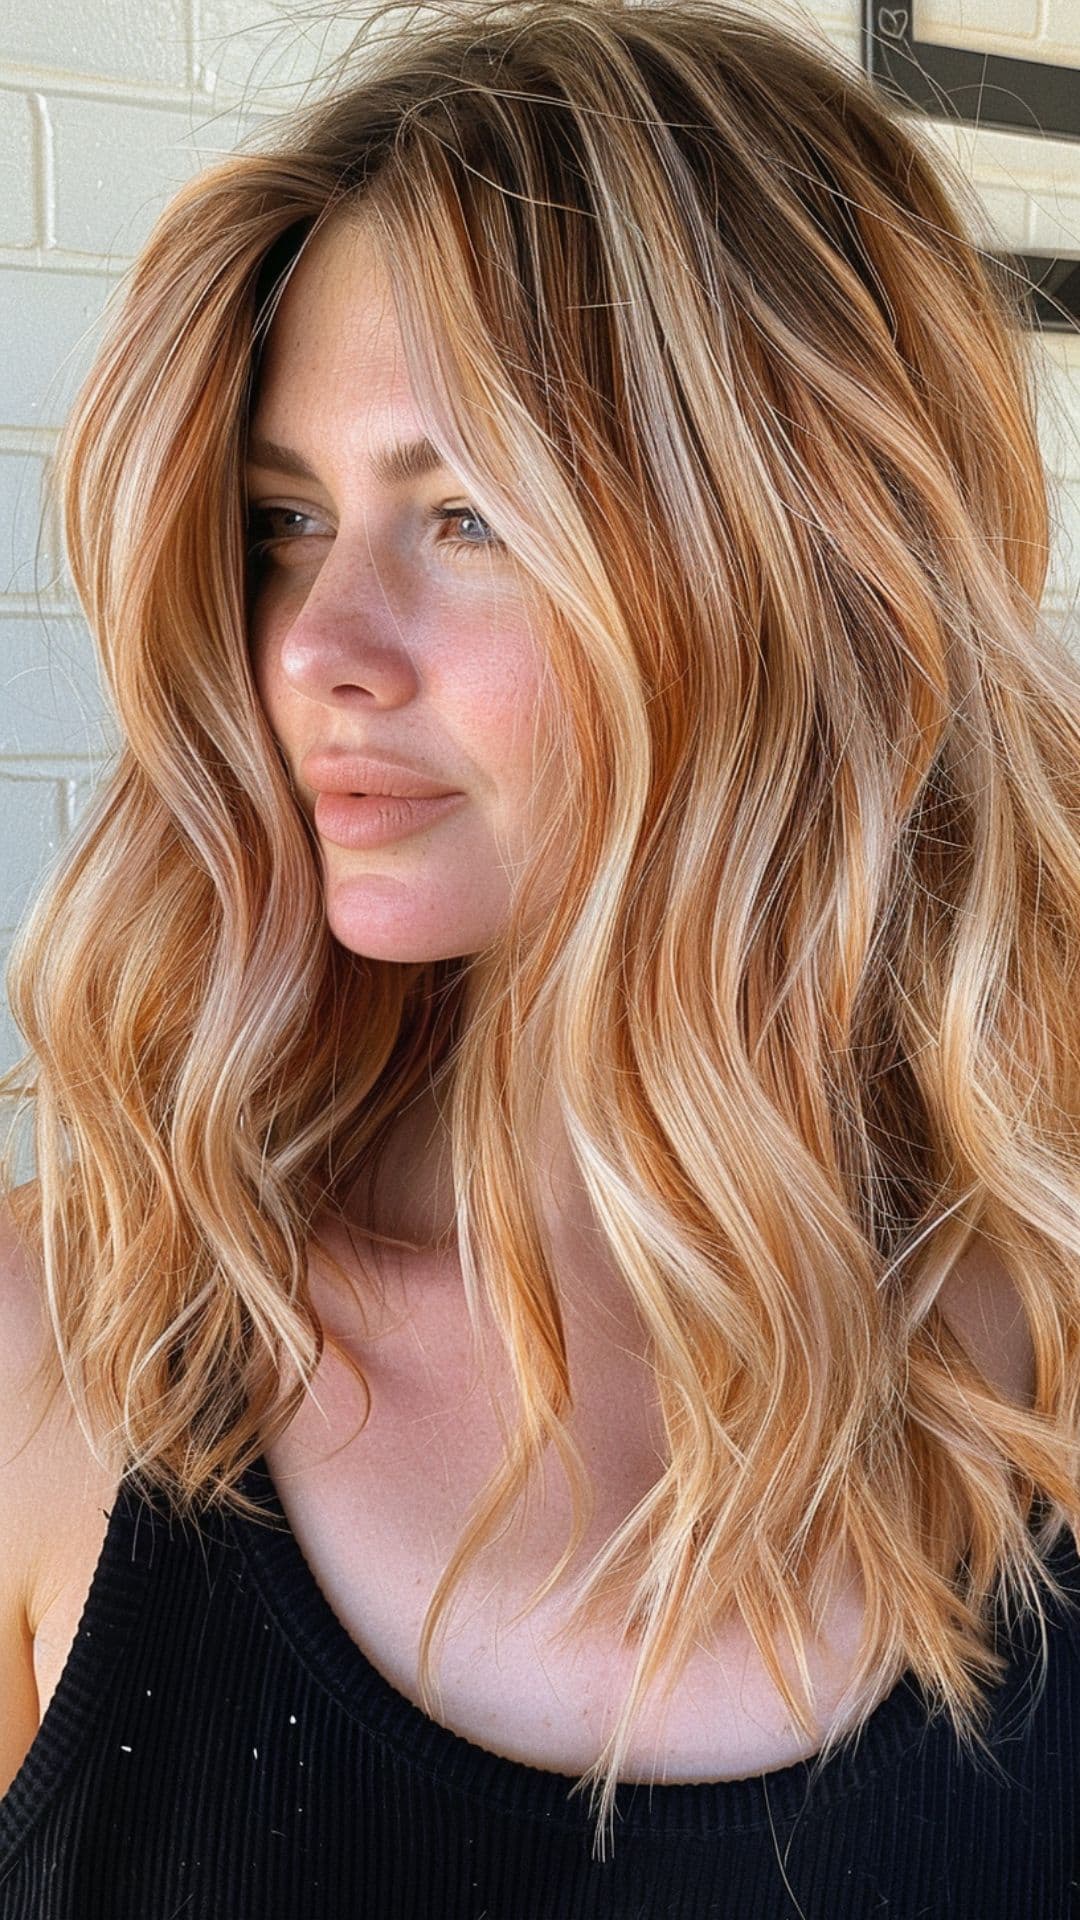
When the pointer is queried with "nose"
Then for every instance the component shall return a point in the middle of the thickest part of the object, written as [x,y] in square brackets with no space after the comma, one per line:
[349,635]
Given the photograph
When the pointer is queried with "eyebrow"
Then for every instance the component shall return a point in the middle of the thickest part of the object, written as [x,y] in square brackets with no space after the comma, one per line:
[390,466]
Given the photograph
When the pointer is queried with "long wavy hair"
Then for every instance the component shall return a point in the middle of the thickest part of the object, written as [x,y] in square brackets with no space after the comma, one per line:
[705,332]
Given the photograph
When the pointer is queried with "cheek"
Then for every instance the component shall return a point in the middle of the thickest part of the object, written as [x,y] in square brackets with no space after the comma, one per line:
[497,692]
[263,648]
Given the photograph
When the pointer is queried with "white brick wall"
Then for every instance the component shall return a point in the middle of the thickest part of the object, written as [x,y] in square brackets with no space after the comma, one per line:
[105,108]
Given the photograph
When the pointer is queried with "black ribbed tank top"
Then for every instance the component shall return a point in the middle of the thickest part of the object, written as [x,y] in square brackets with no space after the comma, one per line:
[219,1748]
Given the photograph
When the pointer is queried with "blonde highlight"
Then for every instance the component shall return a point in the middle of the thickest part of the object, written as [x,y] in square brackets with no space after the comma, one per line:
[704,330]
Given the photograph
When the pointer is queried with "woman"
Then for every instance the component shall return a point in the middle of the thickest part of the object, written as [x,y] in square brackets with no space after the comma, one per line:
[567,992]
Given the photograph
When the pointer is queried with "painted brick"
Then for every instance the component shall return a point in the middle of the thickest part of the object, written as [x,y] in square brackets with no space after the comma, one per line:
[12,1045]
[1060,31]
[17,225]
[52,703]
[1058,394]
[30,808]
[80,792]
[16,1134]
[1065,543]
[24,526]
[49,323]
[986,24]
[242,49]
[1054,220]
[118,163]
[120,39]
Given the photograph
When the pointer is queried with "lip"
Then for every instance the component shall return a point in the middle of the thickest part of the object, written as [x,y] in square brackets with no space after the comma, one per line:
[377,774]
[363,820]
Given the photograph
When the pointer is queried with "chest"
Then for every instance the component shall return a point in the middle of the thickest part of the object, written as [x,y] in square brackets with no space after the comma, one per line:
[377,1514]
[377,1509]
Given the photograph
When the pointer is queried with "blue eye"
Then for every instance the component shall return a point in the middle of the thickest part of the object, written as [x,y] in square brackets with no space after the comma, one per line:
[260,522]
[261,534]
[466,513]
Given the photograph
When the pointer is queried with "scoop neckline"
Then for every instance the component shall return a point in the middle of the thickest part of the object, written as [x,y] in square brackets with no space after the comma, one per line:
[290,1590]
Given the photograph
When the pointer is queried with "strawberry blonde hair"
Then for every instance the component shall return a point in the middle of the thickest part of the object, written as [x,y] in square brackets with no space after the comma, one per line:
[704,330]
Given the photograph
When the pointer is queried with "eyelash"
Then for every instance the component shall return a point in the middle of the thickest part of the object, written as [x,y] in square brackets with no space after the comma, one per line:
[260,516]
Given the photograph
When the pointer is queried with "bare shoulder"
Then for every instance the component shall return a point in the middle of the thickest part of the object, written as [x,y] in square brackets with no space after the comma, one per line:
[47,1470]
[50,1484]
[26,1415]
[21,1345]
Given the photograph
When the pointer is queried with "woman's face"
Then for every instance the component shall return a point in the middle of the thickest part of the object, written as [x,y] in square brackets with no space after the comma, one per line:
[376,628]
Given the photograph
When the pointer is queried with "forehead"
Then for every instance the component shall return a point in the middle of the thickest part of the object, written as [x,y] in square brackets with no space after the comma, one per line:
[333,353]
[337,294]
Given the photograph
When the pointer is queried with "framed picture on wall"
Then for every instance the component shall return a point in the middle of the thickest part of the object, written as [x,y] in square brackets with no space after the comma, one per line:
[985,89]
